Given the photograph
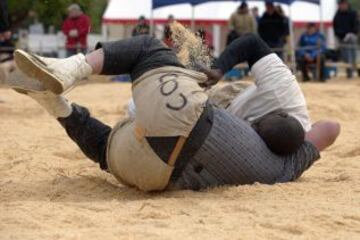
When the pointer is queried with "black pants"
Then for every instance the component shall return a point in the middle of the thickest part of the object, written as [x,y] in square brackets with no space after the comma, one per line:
[88,133]
[137,56]
[305,65]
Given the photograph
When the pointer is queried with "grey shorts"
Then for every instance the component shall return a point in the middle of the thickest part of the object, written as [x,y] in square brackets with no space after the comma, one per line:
[233,154]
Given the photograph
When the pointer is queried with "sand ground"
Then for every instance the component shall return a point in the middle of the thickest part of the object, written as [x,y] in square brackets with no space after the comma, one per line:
[49,190]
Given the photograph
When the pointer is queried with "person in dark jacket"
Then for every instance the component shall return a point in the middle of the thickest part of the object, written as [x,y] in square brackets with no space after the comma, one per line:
[272,28]
[346,26]
[4,21]
[142,27]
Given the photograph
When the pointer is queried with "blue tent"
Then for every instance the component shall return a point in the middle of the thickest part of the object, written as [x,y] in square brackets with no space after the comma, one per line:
[162,3]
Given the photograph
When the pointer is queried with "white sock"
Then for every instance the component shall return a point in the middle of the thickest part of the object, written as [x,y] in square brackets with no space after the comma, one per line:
[56,105]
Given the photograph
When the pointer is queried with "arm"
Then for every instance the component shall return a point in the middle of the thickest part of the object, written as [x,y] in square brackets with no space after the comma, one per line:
[286,30]
[65,28]
[355,23]
[253,25]
[261,27]
[337,28]
[321,45]
[301,45]
[84,28]
[231,22]
[323,134]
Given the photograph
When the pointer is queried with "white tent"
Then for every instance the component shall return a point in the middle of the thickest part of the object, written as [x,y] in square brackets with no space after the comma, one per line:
[128,11]
[122,12]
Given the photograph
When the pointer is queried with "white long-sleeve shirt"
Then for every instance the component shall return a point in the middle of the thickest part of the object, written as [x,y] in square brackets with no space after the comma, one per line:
[275,88]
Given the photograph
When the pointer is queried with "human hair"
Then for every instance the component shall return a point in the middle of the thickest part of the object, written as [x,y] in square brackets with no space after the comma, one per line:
[282,133]
[311,25]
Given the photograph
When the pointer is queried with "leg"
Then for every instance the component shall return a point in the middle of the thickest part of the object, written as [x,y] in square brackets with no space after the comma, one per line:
[346,57]
[248,48]
[70,52]
[134,56]
[88,133]
[83,50]
[303,68]
[280,51]
[353,56]
[322,69]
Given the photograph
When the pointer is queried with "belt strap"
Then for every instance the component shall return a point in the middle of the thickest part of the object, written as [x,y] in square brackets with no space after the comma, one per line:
[176,152]
[139,133]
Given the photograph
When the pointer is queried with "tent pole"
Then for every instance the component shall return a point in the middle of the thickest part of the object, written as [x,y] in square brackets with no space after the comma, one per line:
[322,29]
[193,18]
[292,41]
[152,22]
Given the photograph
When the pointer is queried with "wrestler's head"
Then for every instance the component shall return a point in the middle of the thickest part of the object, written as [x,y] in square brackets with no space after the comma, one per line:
[282,133]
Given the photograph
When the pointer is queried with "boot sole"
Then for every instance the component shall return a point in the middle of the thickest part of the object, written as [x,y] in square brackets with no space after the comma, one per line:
[35,68]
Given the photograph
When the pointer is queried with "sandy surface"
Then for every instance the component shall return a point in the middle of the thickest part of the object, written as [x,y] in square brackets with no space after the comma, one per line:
[49,190]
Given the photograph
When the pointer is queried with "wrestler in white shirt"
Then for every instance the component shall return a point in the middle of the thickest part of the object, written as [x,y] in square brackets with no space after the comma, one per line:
[275,88]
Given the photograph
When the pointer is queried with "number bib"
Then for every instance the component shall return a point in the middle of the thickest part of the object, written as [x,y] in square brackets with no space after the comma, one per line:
[169,101]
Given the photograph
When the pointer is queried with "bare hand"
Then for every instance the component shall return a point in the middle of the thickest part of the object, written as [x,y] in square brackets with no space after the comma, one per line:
[308,58]
[74,33]
[214,76]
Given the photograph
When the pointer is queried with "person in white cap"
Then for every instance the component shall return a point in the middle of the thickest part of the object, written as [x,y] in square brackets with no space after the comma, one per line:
[76,28]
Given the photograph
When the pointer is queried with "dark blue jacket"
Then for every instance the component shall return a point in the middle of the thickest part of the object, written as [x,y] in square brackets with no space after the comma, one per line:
[310,44]
[345,22]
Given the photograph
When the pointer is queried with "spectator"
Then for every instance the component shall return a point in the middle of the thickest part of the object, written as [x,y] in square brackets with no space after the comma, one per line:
[346,26]
[142,28]
[280,10]
[255,14]
[6,41]
[242,21]
[272,28]
[312,49]
[167,39]
[5,33]
[206,37]
[76,28]
[6,45]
